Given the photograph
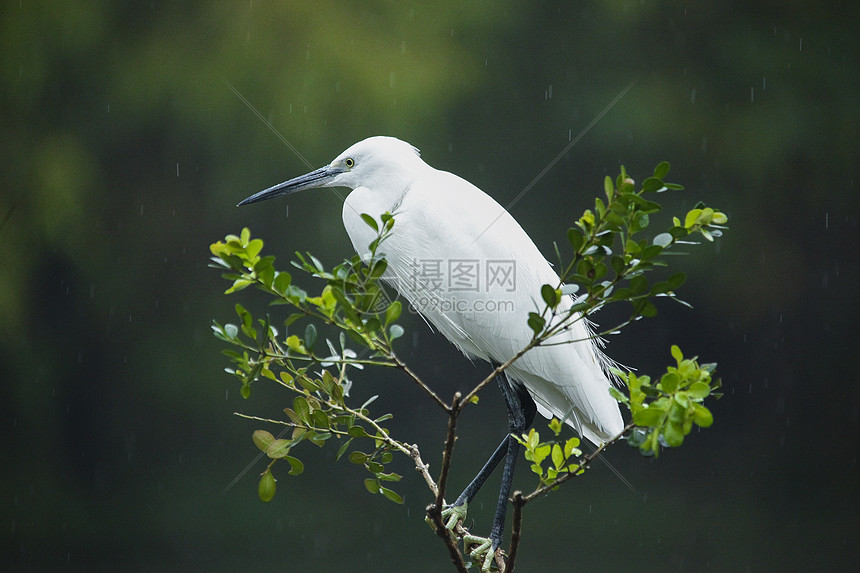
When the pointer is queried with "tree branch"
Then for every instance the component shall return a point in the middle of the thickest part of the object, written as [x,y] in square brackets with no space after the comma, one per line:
[422,468]
[415,378]
[516,530]
[434,512]
[450,438]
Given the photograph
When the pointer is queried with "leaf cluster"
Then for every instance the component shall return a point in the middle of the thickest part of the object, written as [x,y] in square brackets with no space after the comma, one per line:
[320,411]
[611,256]
[560,453]
[665,412]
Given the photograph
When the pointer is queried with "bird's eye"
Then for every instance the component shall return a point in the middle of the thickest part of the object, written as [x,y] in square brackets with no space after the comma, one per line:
[349,162]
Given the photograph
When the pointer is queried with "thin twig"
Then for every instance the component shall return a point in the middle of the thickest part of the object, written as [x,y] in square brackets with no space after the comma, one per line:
[434,511]
[422,468]
[415,378]
[516,530]
[450,438]
[496,371]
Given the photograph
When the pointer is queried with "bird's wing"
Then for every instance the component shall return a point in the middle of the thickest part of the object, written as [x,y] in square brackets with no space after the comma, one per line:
[469,268]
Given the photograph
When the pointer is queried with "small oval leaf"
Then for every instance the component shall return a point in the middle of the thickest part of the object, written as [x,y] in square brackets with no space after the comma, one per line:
[266,488]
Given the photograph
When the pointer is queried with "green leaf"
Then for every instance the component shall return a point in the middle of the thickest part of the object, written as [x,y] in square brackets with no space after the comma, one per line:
[320,420]
[253,249]
[293,343]
[702,417]
[699,391]
[357,432]
[652,184]
[395,331]
[389,494]
[296,466]
[266,488]
[302,409]
[683,400]
[282,281]
[372,325]
[392,313]
[262,439]
[342,450]
[574,237]
[663,240]
[358,458]
[371,222]
[372,485]
[541,452]
[550,295]
[319,439]
[557,456]
[676,354]
[676,281]
[691,217]
[648,417]
[674,434]
[644,307]
[670,382]
[618,395]
[378,268]
[677,413]
[638,284]
[662,170]
[536,323]
[278,448]
[238,285]
[318,266]
[231,330]
[571,447]
[310,336]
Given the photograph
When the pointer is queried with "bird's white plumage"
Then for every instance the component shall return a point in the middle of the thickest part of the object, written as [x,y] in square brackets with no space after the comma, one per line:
[441,217]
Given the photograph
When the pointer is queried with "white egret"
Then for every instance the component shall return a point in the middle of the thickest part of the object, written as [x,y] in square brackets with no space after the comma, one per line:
[469,268]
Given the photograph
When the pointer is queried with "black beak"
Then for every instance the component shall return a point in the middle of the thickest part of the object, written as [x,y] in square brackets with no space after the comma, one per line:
[318,178]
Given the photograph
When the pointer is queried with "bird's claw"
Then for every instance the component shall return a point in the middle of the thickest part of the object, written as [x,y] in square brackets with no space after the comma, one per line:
[454,514]
[483,546]
[450,516]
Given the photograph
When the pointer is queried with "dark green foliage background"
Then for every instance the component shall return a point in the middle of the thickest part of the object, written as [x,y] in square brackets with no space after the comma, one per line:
[123,153]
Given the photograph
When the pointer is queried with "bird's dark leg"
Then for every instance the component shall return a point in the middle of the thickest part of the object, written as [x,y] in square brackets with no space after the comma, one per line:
[486,471]
[521,414]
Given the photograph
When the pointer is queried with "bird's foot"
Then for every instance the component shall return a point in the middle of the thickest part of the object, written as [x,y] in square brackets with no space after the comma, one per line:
[451,515]
[480,549]
[483,551]
[454,514]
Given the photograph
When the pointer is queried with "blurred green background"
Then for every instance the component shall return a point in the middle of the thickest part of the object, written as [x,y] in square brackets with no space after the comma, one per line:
[123,154]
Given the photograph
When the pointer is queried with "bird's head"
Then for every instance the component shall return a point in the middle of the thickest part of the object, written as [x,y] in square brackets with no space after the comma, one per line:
[376,162]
